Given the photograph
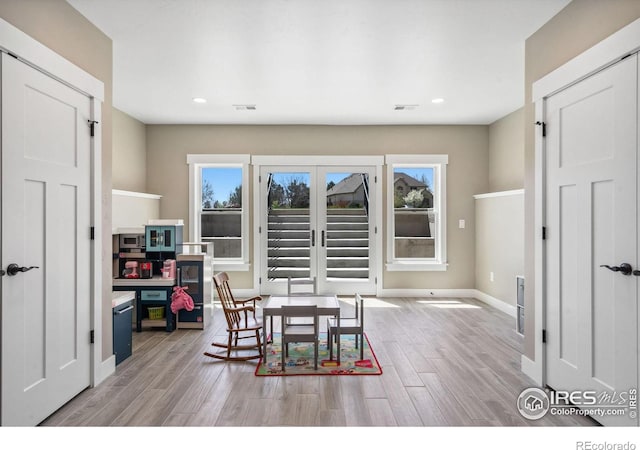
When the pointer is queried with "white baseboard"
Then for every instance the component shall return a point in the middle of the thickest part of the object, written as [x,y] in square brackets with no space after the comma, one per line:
[496,303]
[531,369]
[104,370]
[240,294]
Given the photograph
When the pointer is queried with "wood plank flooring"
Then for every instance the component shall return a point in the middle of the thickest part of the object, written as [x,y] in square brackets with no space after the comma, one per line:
[445,361]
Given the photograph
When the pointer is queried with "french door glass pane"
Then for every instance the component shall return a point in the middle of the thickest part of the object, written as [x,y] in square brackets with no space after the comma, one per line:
[288,228]
[347,240]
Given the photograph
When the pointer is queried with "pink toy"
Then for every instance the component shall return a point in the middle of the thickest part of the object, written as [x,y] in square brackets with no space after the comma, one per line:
[180,299]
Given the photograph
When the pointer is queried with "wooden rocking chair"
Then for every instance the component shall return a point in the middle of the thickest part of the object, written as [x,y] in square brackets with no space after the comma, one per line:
[240,324]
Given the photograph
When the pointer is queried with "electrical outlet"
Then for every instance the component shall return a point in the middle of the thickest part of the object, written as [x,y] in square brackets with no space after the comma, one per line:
[490,276]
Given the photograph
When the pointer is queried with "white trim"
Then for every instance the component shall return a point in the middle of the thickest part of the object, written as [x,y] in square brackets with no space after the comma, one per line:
[606,52]
[196,163]
[539,254]
[531,369]
[96,256]
[258,223]
[33,53]
[379,212]
[499,194]
[439,165]
[105,369]
[135,194]
[316,160]
[43,59]
[194,200]
[497,303]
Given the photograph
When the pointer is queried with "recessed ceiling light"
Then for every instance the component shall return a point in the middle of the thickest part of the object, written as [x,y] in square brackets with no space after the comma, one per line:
[245,107]
[437,100]
[199,100]
[405,107]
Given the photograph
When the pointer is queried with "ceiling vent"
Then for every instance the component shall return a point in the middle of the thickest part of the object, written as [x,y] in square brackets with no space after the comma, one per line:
[405,107]
[245,107]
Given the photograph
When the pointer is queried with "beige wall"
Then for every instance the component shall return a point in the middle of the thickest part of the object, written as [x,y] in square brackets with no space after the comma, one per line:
[467,174]
[579,26]
[64,30]
[129,162]
[506,152]
[500,245]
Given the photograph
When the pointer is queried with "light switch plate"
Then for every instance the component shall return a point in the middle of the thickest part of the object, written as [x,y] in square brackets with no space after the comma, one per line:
[461,223]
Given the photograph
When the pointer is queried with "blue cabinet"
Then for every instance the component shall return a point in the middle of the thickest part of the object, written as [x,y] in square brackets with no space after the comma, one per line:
[163,238]
[122,319]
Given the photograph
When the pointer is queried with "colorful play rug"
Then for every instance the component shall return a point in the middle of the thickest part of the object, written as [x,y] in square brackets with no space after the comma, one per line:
[300,360]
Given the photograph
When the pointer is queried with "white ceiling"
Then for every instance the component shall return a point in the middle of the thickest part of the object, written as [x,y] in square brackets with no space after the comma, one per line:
[318,62]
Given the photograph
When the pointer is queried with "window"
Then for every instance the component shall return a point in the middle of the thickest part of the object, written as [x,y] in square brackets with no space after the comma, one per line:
[219,207]
[416,218]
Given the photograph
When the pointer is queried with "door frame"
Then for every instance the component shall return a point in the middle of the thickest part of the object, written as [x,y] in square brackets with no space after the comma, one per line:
[31,52]
[317,160]
[602,55]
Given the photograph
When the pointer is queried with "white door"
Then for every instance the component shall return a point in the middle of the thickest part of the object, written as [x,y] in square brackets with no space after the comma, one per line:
[45,223]
[318,221]
[591,169]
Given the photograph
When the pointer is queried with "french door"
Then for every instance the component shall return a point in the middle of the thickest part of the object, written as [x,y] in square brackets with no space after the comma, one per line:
[318,221]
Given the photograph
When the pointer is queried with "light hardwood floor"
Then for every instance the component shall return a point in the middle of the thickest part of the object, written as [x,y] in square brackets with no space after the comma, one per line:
[445,361]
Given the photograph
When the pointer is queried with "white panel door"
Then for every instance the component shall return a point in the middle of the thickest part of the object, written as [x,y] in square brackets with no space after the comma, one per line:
[45,223]
[591,169]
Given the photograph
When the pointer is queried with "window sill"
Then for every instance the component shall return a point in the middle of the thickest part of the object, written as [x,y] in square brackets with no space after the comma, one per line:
[416,266]
[231,266]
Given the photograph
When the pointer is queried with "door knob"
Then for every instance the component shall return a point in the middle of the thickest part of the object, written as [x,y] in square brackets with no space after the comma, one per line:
[636,273]
[2,273]
[13,269]
[624,268]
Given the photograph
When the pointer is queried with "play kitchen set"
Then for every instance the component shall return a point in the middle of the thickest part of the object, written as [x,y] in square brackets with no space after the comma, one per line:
[150,263]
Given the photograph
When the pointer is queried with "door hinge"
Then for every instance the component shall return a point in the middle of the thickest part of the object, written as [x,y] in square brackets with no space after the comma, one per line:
[92,337]
[92,125]
[375,179]
[92,233]
[544,233]
[260,280]
[544,336]
[375,230]
[375,280]
[544,128]
[259,230]
[259,178]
